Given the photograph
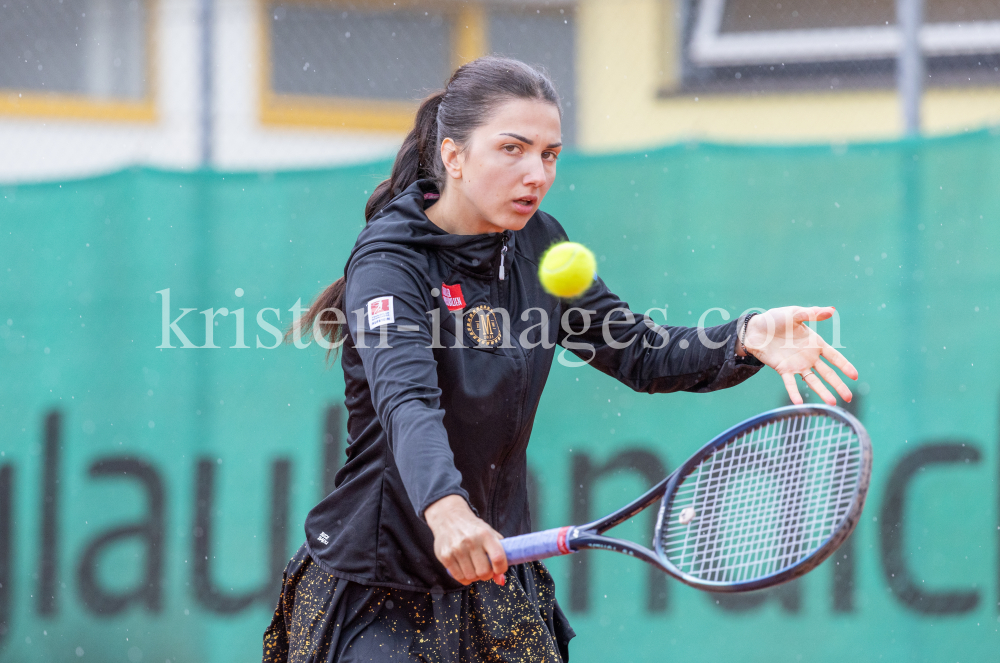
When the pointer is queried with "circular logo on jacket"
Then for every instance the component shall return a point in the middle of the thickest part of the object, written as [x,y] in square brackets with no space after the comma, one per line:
[482,327]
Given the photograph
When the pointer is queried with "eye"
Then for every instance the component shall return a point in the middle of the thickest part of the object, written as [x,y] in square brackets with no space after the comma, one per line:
[511,148]
[550,156]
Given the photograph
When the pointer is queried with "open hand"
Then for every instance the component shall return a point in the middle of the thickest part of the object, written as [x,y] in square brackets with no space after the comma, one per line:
[468,547]
[779,338]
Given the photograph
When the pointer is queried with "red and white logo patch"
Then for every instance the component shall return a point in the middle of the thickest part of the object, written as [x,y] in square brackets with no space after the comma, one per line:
[380,312]
[453,298]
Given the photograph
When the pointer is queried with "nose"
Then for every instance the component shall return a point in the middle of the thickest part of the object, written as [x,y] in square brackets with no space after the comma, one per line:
[536,175]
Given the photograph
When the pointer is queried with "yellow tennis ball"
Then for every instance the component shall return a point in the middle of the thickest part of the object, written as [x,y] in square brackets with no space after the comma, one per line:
[567,269]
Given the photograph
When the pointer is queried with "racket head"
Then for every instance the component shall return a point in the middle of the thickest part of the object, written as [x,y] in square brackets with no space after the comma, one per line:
[766,501]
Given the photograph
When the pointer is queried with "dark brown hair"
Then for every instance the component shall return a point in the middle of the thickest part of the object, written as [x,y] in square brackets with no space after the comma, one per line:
[472,94]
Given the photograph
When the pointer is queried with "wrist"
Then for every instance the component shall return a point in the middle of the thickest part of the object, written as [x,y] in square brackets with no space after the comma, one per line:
[447,509]
[741,335]
[756,335]
[746,339]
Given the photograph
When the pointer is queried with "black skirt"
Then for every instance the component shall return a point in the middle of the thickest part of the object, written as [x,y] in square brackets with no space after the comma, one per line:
[321,618]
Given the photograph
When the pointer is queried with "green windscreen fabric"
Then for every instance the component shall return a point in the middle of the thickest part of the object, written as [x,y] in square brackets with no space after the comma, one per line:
[151,492]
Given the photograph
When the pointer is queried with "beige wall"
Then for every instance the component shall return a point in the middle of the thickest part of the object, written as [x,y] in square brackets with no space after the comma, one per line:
[627,54]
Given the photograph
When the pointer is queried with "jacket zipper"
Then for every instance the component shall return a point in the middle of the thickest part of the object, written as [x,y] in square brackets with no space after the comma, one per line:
[503,254]
[518,424]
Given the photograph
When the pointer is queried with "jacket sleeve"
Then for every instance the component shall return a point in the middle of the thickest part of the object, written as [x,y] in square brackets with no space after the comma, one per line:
[602,330]
[402,374]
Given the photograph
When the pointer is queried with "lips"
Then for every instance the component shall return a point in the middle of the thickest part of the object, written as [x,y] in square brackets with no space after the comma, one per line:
[525,204]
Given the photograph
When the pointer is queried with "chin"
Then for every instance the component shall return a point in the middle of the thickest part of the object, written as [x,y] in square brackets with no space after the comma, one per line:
[513,221]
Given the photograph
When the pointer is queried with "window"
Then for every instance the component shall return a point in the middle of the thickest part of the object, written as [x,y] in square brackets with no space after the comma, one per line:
[375,55]
[827,40]
[367,65]
[77,58]
[544,38]
[363,66]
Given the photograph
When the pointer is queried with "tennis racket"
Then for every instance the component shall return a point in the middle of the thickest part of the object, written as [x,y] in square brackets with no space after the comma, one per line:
[764,502]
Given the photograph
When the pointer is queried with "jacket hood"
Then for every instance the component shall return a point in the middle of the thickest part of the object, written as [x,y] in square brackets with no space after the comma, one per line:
[403,224]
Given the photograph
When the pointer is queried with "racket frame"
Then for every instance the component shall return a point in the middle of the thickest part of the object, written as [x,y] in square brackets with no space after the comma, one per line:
[590,536]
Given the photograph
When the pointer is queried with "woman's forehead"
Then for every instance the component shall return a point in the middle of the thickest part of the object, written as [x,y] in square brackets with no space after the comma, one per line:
[525,118]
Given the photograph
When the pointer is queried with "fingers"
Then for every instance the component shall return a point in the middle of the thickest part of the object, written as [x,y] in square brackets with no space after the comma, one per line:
[462,567]
[816,385]
[498,557]
[833,380]
[481,563]
[467,547]
[792,388]
[840,361]
[453,566]
[800,348]
[476,556]
[488,556]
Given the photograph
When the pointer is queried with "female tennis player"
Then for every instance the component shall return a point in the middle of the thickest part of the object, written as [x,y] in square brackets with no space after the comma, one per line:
[448,338]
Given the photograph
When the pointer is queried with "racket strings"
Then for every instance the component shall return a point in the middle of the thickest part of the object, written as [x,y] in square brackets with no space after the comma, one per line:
[778,509]
[763,502]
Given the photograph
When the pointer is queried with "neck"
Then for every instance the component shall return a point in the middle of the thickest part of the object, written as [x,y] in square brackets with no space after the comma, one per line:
[455,214]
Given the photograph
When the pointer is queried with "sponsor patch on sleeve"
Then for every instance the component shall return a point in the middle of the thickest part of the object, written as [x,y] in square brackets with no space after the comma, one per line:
[380,312]
[453,298]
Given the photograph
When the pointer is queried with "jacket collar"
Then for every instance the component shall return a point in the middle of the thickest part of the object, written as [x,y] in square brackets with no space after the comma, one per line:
[403,221]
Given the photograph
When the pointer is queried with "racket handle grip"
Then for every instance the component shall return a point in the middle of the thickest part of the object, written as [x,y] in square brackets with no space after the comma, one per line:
[537,545]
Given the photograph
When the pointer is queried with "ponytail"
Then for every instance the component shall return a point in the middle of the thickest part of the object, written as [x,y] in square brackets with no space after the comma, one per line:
[418,157]
[416,160]
[473,92]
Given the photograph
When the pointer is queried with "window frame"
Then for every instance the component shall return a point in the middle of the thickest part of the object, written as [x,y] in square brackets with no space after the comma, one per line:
[74,106]
[709,48]
[355,113]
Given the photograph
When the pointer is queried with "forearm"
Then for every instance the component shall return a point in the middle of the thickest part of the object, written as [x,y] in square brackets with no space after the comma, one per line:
[423,456]
[602,330]
[659,359]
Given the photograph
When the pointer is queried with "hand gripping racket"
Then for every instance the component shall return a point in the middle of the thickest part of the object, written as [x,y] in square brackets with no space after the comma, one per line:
[764,502]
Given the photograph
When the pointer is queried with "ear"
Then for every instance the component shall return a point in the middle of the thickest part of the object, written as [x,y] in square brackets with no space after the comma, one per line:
[452,158]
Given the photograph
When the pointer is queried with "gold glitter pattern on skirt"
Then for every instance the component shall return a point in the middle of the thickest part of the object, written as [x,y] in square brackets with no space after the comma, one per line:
[324,619]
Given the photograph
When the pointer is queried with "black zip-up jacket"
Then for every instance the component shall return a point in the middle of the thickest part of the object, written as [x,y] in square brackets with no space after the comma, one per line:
[441,401]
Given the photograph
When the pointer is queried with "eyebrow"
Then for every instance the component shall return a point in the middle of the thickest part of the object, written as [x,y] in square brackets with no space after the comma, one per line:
[528,140]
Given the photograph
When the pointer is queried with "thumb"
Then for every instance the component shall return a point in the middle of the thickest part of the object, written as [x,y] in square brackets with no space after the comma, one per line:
[803,314]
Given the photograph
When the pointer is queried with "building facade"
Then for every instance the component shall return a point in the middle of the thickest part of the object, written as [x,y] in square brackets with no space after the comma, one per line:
[89,86]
